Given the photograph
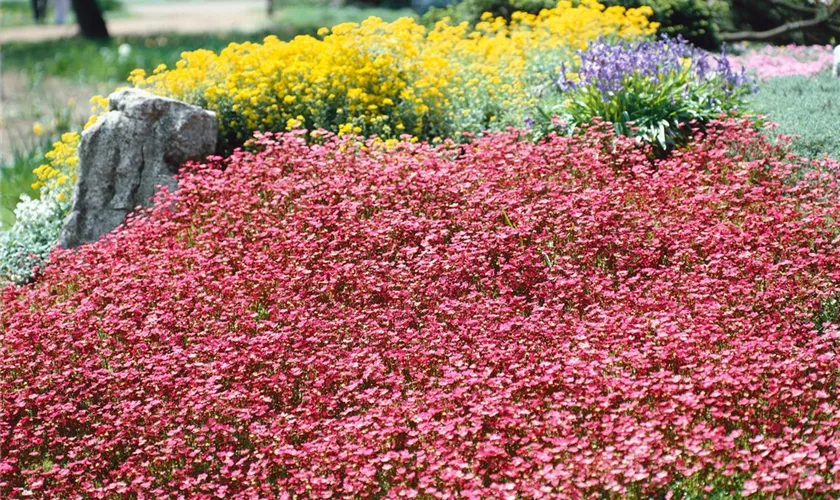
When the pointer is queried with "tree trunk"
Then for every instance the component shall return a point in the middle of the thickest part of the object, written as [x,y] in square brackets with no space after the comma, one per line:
[39,10]
[91,22]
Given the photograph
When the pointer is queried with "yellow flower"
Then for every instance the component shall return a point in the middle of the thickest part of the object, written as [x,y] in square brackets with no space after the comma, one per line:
[345,128]
[293,123]
[37,128]
[99,101]
[57,178]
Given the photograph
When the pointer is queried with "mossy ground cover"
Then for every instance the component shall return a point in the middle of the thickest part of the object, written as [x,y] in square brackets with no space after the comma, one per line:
[805,107]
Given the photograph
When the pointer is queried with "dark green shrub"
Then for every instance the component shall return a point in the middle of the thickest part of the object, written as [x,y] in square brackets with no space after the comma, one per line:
[694,20]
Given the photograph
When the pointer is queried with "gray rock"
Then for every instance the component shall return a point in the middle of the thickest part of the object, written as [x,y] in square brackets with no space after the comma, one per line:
[138,145]
[836,66]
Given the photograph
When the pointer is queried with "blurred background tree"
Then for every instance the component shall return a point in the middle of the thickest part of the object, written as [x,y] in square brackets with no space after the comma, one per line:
[782,21]
[89,16]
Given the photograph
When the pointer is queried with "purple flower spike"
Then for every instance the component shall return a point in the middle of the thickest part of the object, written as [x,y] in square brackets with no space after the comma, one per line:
[607,65]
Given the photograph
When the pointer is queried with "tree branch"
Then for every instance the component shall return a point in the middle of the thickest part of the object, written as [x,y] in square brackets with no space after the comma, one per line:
[796,8]
[760,36]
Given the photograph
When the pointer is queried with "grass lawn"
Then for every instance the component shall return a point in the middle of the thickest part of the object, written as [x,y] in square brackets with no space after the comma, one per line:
[112,61]
[16,179]
[90,61]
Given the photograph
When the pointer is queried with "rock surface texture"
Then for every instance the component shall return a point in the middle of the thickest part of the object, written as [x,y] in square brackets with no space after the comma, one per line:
[137,146]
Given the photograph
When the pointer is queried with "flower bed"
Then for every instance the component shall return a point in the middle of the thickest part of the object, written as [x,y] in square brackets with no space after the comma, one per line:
[372,78]
[770,62]
[390,79]
[562,319]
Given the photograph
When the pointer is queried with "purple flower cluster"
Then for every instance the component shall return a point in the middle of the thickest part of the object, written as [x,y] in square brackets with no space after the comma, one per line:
[607,65]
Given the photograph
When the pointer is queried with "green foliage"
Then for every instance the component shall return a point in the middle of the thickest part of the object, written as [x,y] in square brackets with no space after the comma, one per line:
[654,113]
[699,21]
[805,107]
[110,5]
[15,13]
[111,61]
[25,152]
[652,91]
[37,220]
[29,223]
[16,180]
[31,239]
[829,313]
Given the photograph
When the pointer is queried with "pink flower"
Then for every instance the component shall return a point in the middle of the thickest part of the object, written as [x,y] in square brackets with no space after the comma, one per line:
[749,488]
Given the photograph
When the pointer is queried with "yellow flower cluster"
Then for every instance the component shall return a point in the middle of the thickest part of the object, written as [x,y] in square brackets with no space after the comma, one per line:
[100,107]
[58,177]
[388,79]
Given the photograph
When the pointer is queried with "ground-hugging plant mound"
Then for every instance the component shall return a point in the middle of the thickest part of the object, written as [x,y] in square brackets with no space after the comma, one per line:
[804,108]
[563,319]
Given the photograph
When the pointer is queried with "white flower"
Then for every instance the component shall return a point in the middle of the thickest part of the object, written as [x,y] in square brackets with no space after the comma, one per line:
[124,51]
